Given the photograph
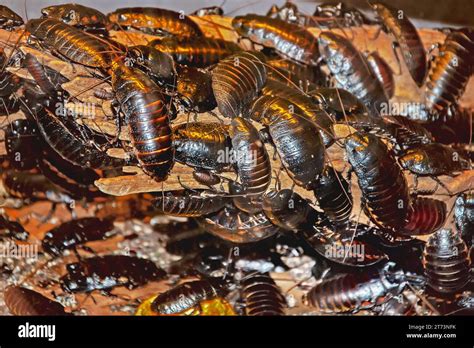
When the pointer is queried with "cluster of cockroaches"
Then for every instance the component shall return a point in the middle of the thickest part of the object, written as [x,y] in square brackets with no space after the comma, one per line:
[287,93]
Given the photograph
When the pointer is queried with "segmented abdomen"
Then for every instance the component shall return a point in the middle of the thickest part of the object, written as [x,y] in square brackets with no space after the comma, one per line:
[189,204]
[262,296]
[427,216]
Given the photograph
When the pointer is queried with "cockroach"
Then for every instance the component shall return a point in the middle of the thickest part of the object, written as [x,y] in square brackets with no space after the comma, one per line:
[248,203]
[292,73]
[25,302]
[331,15]
[236,226]
[21,140]
[297,140]
[446,262]
[79,16]
[334,196]
[156,21]
[384,188]
[12,229]
[383,71]
[189,204]
[350,293]
[208,11]
[262,296]
[289,40]
[428,215]
[197,52]
[404,133]
[464,217]
[251,159]
[9,20]
[237,80]
[194,89]
[406,36]
[455,129]
[76,233]
[147,116]
[450,71]
[109,271]
[351,70]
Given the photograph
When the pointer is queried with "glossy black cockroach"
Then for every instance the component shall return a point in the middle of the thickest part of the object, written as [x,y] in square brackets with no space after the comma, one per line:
[294,74]
[155,21]
[331,15]
[12,229]
[383,71]
[289,40]
[261,295]
[428,215]
[350,293]
[75,233]
[406,36]
[449,72]
[334,196]
[237,226]
[194,89]
[198,52]
[21,144]
[237,80]
[25,302]
[296,139]
[9,20]
[79,16]
[147,117]
[351,70]
[189,204]
[464,217]
[384,188]
[446,262]
[106,272]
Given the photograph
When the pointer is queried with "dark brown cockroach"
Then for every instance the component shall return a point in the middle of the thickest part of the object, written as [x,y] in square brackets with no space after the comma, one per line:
[79,16]
[384,188]
[428,215]
[248,203]
[9,20]
[236,226]
[156,21]
[334,196]
[21,144]
[194,89]
[383,71]
[450,71]
[147,117]
[189,204]
[106,272]
[206,177]
[404,133]
[296,139]
[251,159]
[455,129]
[25,302]
[261,295]
[12,229]
[75,233]
[446,262]
[288,40]
[197,52]
[350,293]
[406,37]
[72,43]
[311,111]
[237,80]
[351,71]
[464,217]
[295,74]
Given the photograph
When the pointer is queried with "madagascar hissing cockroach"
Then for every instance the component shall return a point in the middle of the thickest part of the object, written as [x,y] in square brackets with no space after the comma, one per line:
[385,196]
[289,40]
[248,203]
[450,72]
[236,226]
[12,229]
[455,129]
[75,233]
[464,217]
[156,21]
[21,144]
[189,204]
[351,70]
[147,117]
[428,215]
[297,140]
[383,71]
[350,293]
[404,133]
[446,262]
[26,302]
[109,271]
[261,295]
[406,37]
[332,191]
[237,80]
[194,89]
[9,20]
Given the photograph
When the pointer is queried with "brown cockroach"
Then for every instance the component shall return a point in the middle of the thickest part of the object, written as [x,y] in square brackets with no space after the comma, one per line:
[194,89]
[455,129]
[428,215]
[464,217]
[383,71]
[26,302]
[295,74]
[261,295]
[189,204]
